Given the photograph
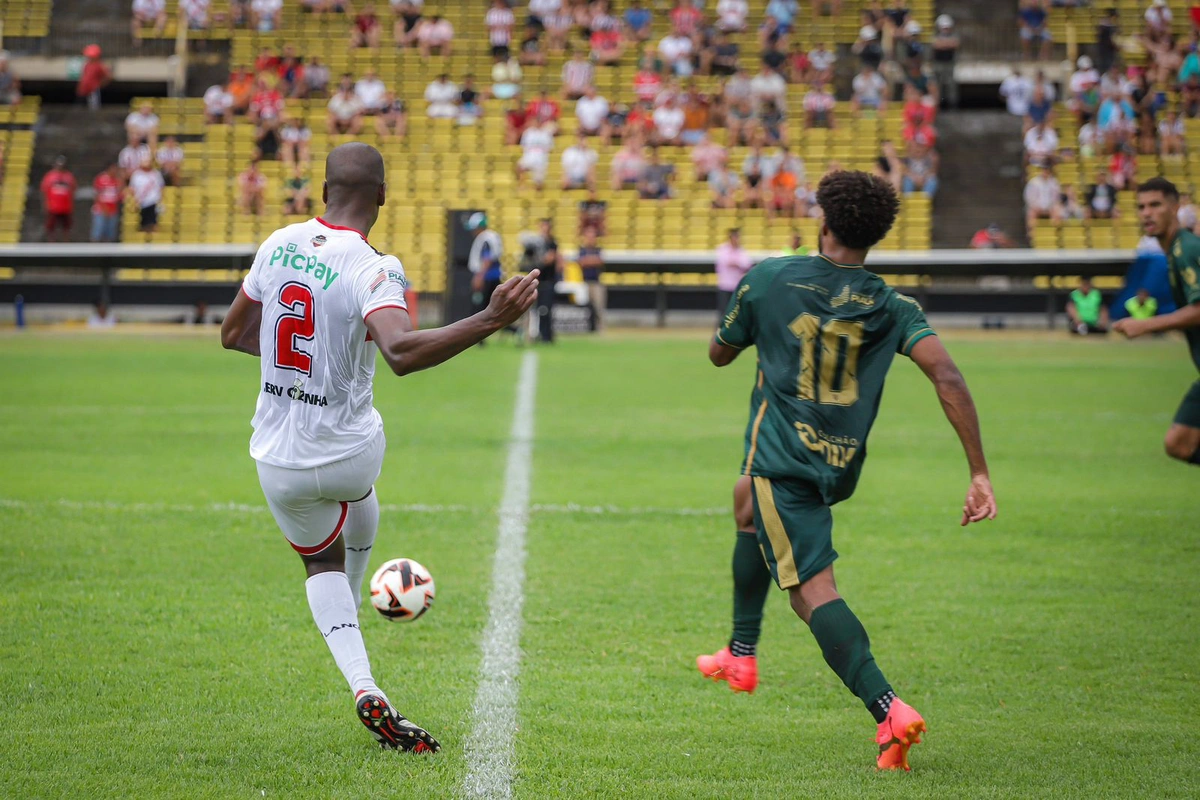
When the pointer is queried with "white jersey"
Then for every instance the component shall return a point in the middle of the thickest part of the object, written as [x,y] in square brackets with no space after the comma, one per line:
[317,284]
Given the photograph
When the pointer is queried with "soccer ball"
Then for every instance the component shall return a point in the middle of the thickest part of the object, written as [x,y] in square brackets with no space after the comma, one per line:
[402,590]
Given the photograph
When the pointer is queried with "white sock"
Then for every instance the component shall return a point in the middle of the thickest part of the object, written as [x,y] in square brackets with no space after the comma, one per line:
[358,533]
[336,616]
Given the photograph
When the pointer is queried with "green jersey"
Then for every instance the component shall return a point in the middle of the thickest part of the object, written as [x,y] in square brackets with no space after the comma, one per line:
[826,336]
[1183,270]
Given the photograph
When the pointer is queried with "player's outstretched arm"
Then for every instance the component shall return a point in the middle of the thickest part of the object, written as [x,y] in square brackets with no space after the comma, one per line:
[952,391]
[722,355]
[406,350]
[1186,317]
[239,329]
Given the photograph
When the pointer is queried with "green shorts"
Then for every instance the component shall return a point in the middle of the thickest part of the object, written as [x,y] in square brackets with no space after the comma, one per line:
[1189,410]
[795,529]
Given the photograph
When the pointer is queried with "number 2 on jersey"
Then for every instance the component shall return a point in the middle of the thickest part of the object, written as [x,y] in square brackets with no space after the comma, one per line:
[296,324]
[837,387]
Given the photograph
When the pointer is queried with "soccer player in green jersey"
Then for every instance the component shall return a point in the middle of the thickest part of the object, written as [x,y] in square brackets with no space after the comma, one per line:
[826,331]
[1158,211]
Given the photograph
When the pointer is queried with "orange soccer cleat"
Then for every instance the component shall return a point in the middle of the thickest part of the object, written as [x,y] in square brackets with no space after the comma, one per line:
[740,671]
[900,730]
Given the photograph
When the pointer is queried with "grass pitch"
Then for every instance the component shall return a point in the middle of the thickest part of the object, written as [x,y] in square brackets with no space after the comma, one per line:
[155,641]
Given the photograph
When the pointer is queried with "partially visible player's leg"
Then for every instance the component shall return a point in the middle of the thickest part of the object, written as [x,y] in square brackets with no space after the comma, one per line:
[355,477]
[1183,437]
[737,663]
[797,535]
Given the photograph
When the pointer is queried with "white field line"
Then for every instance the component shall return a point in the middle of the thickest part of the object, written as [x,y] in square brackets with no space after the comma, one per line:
[494,732]
[392,508]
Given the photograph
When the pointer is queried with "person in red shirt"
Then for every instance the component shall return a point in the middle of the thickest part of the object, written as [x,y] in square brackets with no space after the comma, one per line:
[94,76]
[515,119]
[920,132]
[365,30]
[267,61]
[543,109]
[58,195]
[686,18]
[266,112]
[106,209]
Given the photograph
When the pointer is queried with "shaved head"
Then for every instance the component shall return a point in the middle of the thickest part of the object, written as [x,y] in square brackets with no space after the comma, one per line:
[354,173]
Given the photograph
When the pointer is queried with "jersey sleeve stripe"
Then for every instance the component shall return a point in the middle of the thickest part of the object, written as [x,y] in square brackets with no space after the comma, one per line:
[248,297]
[381,308]
[721,339]
[916,337]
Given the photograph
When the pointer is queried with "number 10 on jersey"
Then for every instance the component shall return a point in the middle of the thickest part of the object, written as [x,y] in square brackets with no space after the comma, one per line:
[840,342]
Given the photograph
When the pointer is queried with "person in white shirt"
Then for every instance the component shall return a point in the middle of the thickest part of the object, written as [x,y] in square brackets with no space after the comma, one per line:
[731,15]
[577,74]
[318,303]
[536,143]
[870,91]
[371,91]
[1090,139]
[442,95]
[1017,91]
[195,12]
[294,138]
[131,157]
[668,123]
[148,13]
[768,85]
[592,112]
[142,125]
[265,14]
[676,51]
[345,112]
[821,59]
[579,165]
[1041,145]
[146,184]
[434,35]
[1158,18]
[170,161]
[1043,199]
[218,105]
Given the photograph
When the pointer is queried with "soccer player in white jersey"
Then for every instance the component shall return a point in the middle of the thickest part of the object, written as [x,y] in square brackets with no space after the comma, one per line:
[318,301]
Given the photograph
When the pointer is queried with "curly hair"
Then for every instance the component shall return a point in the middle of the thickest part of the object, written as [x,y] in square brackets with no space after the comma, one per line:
[859,208]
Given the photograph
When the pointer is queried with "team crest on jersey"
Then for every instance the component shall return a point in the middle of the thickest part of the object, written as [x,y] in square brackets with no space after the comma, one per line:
[319,240]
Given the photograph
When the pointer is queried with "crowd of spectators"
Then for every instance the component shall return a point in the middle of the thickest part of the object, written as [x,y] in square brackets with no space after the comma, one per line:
[1114,112]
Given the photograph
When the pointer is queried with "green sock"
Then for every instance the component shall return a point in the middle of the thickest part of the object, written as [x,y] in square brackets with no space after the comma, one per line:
[847,651]
[751,582]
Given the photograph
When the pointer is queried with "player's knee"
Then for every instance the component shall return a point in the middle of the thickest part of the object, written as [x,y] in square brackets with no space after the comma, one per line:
[1179,445]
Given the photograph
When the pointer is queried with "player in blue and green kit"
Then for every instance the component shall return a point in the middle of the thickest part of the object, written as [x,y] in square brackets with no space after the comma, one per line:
[1158,211]
[826,331]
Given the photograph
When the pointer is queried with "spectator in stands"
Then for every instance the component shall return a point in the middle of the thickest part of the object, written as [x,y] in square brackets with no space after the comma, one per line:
[1041,145]
[782,186]
[731,15]
[921,168]
[434,35]
[780,19]
[252,188]
[1188,214]
[1084,95]
[316,78]
[686,18]
[500,21]
[131,156]
[607,46]
[266,14]
[657,177]
[1017,90]
[1086,310]
[346,110]
[240,89]
[668,123]
[1100,201]
[1090,140]
[294,139]
[1158,20]
[821,60]
[195,13]
[706,156]
[991,238]
[628,164]
[514,121]
[591,111]
[723,183]
[366,28]
[1041,111]
[291,74]
[944,56]
[893,22]
[170,161]
[721,58]
[469,109]
[536,143]
[266,113]
[636,22]
[218,105]
[740,121]
[889,166]
[819,105]
[1032,16]
[768,85]
[1142,305]
[757,170]
[913,50]
[1122,169]
[544,109]
[406,17]
[296,193]
[148,14]
[10,84]
[267,61]
[868,46]
[773,57]
[93,77]
[142,125]
[392,119]
[506,78]
[593,215]
[108,190]
[558,29]
[1107,31]
[1116,120]
[146,184]
[1171,133]
[579,165]
[1043,198]
[531,53]
[58,198]
[371,92]
[870,92]
[771,123]
[732,264]
[577,74]
[676,51]
[442,95]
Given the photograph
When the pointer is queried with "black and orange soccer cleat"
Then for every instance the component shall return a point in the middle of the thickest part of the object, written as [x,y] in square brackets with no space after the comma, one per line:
[390,728]
[900,730]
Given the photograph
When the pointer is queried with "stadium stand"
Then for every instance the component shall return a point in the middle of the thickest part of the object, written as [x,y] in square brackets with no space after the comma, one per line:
[16,138]
[443,164]
[25,18]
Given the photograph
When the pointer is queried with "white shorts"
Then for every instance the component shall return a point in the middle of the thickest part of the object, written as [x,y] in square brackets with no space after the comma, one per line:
[310,504]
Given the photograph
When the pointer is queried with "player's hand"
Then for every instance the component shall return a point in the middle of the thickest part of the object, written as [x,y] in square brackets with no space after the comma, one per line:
[981,501]
[512,299]
[1131,328]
